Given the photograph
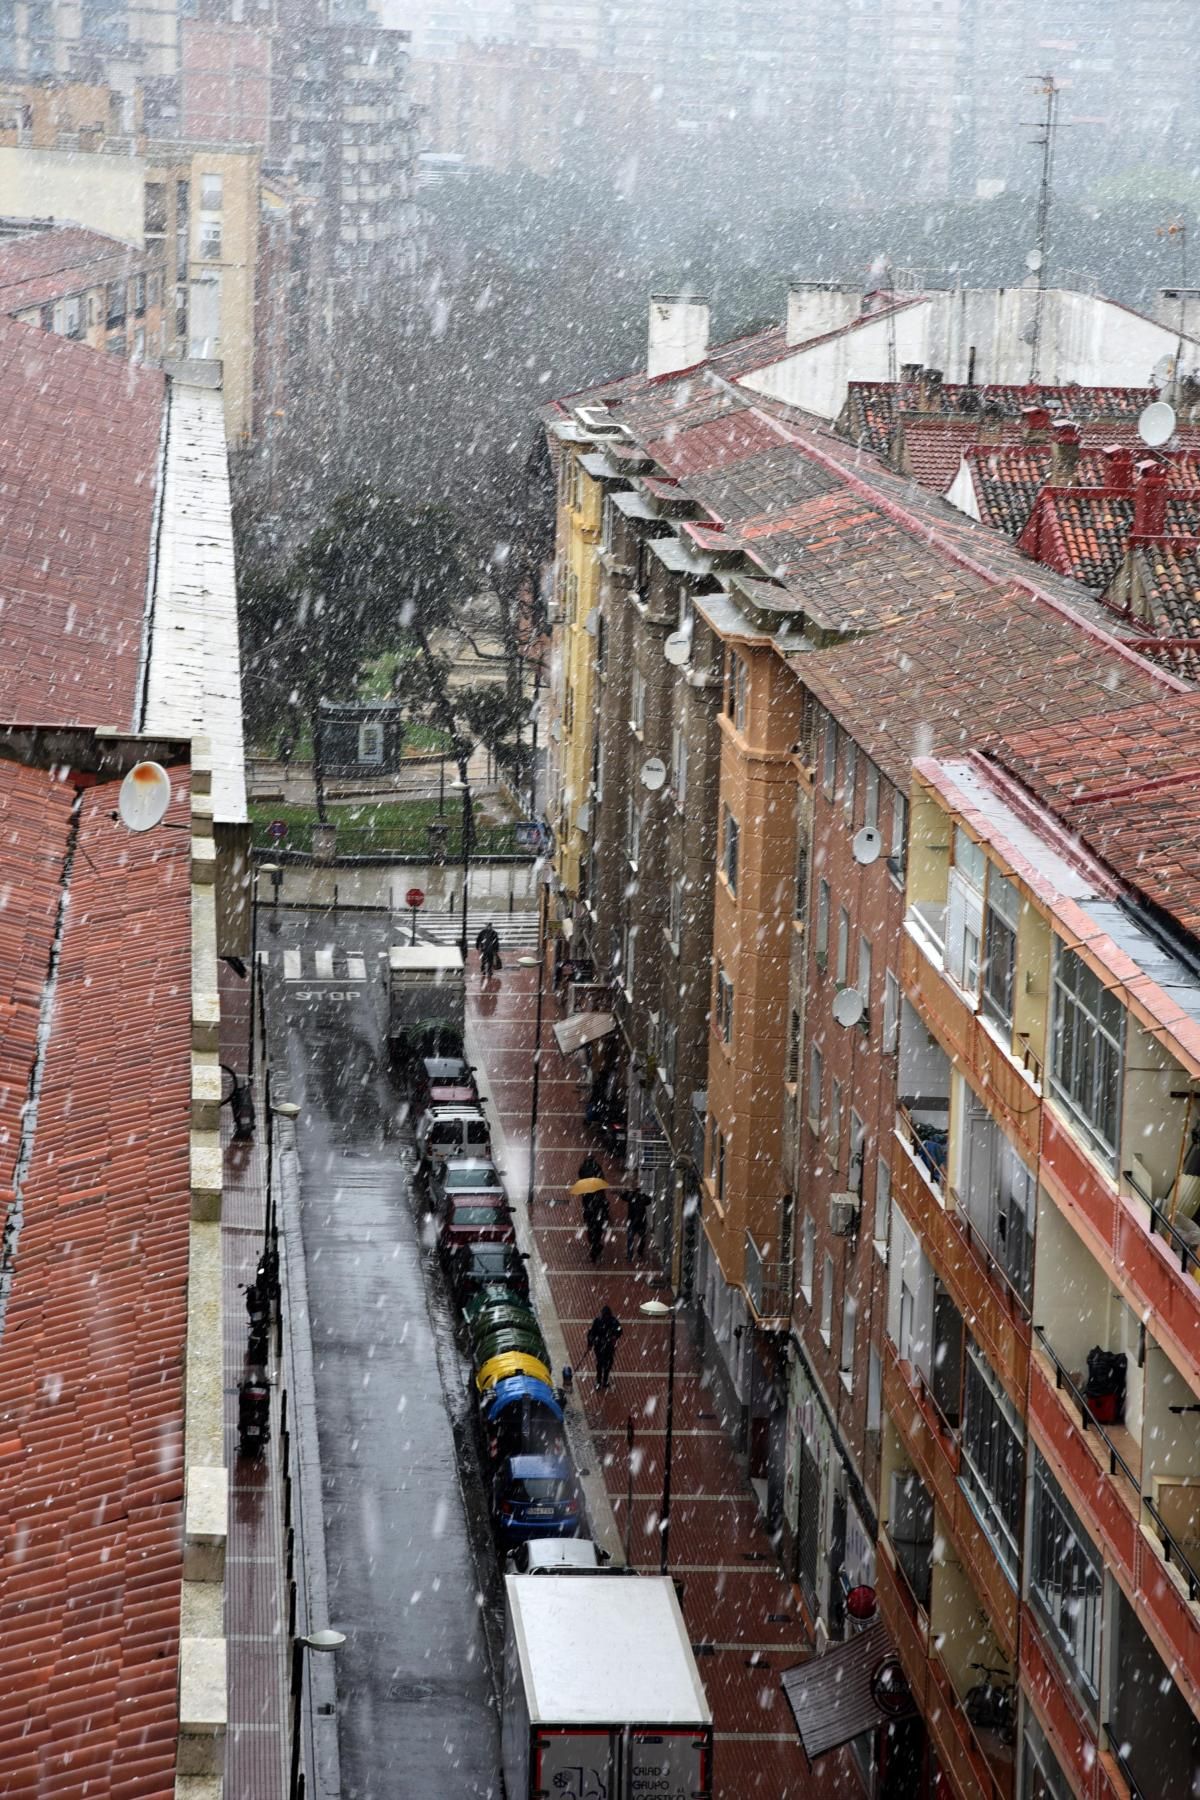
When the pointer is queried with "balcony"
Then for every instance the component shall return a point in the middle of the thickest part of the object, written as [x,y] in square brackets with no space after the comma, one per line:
[971,1773]
[934,1451]
[1000,1323]
[1011,1079]
[768,1288]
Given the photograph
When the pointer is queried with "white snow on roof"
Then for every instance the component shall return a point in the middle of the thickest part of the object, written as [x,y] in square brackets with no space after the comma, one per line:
[193,687]
[604,1652]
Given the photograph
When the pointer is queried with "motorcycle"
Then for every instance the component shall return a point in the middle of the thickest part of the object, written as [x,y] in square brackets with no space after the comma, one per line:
[254,1415]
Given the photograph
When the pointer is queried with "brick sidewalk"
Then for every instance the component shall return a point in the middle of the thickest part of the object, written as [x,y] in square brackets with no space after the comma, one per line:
[741,1613]
[255,1564]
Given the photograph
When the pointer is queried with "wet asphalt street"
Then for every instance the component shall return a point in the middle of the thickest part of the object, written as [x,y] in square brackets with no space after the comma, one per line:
[406,1564]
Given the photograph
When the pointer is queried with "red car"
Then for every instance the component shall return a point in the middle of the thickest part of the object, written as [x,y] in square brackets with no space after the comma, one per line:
[476,1219]
[444,1081]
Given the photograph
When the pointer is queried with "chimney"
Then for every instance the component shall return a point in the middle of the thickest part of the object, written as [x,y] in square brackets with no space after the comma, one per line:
[1036,420]
[678,333]
[1064,458]
[815,307]
[991,421]
[1150,501]
[929,391]
[909,371]
[1118,460]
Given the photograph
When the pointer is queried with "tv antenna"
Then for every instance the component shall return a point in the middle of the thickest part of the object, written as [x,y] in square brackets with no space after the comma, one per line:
[1047,128]
[1177,230]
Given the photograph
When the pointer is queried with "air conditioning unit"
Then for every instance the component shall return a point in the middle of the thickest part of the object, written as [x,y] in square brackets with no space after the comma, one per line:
[843,1214]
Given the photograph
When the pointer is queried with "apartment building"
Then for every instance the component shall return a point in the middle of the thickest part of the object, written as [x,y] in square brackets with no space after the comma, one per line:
[839,621]
[83,285]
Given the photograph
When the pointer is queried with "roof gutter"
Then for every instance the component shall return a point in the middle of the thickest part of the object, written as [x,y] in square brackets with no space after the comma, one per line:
[141,696]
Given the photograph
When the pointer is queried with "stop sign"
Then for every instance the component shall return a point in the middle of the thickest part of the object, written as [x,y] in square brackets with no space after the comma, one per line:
[415,897]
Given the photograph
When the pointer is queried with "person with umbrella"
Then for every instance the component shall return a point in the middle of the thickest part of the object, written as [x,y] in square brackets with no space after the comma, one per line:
[593,1192]
[602,1336]
[590,1169]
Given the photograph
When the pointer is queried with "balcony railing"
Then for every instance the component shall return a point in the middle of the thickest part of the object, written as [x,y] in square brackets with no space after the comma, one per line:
[1189,1258]
[1115,1744]
[768,1284]
[1018,1306]
[1064,1379]
[1031,1062]
[928,1142]
[1173,1552]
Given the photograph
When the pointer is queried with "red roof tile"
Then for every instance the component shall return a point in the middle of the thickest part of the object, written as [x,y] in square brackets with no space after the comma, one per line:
[79,447]
[46,265]
[91,1353]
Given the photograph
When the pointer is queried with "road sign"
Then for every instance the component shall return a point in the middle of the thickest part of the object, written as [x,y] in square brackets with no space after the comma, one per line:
[415,897]
[530,834]
[278,829]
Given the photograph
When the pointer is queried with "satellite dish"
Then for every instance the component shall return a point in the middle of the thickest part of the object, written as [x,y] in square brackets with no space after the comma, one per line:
[678,648]
[1156,426]
[867,844]
[1033,261]
[653,774]
[145,796]
[1163,371]
[848,1007]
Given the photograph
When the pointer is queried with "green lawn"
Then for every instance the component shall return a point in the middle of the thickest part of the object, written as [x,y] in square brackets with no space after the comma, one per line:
[370,826]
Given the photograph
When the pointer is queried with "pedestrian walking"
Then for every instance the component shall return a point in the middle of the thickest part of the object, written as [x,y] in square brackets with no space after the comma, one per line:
[488,946]
[596,1221]
[637,1222]
[590,1169]
[602,1336]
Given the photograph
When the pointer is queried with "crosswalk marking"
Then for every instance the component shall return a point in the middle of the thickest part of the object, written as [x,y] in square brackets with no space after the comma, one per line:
[327,963]
[291,965]
[356,967]
[324,961]
[516,930]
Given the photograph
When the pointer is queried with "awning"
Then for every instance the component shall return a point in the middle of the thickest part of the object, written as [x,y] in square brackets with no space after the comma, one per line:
[833,1697]
[582,1029]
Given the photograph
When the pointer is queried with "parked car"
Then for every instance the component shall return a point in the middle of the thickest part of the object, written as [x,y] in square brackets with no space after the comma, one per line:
[535,1496]
[443,1081]
[476,1266]
[476,1219]
[463,1175]
[445,1131]
[559,1556]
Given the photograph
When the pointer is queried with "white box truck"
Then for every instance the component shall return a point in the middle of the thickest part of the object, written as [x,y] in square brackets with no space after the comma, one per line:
[426,1001]
[602,1698]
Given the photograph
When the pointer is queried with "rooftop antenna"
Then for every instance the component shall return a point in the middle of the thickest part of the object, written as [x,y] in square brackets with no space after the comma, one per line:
[1047,128]
[1177,229]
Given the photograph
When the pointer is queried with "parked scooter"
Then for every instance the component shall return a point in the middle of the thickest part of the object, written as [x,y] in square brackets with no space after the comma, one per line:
[254,1414]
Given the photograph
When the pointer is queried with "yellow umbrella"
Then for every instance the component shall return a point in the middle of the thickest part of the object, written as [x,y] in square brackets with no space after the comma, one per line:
[511,1362]
[591,1184]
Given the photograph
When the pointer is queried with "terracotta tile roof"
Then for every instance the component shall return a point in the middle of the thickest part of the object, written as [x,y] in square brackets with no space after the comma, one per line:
[1127,781]
[79,447]
[873,407]
[1167,574]
[47,265]
[1084,532]
[91,1355]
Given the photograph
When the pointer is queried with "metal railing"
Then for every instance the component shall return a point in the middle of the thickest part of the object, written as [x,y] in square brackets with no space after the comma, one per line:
[1115,1744]
[922,1147]
[1173,1552]
[768,1284]
[1031,1062]
[1088,1421]
[977,1244]
[1189,1259]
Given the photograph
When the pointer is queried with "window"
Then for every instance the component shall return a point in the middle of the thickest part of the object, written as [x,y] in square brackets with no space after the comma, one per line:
[816,1080]
[601,643]
[1066,1579]
[724,1006]
[116,345]
[864,977]
[675,912]
[843,946]
[209,249]
[1086,1043]
[791,1073]
[800,905]
[181,310]
[628,956]
[871,796]
[633,830]
[667,1052]
[890,1035]
[739,697]
[822,933]
[72,321]
[637,701]
[858,1154]
[849,778]
[1041,1774]
[999,949]
[211,192]
[964,912]
[846,1358]
[729,853]
[679,768]
[370,741]
[834,1138]
[992,1470]
[808,1251]
[114,303]
[898,853]
[883,1202]
[722,1147]
[827,1301]
[874,1390]
[155,209]
[139,295]
[829,757]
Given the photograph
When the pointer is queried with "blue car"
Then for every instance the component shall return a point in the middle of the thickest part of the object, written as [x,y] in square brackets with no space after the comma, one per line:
[535,1497]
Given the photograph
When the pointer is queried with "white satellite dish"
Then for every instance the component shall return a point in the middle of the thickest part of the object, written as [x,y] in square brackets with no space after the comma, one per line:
[145,796]
[1156,426]
[867,844]
[1163,371]
[1033,261]
[653,774]
[848,1007]
[678,648]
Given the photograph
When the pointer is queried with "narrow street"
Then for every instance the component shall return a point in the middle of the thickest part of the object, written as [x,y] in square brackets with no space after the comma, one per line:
[407,1565]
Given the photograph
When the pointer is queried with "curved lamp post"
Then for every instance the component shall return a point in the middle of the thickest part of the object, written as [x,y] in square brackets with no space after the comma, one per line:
[324,1641]
[658,1309]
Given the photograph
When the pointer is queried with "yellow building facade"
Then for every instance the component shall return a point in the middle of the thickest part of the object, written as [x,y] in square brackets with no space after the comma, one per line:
[580,509]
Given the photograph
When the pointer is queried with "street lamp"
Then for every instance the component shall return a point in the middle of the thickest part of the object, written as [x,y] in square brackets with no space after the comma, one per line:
[323,1641]
[281,1109]
[465,785]
[272,869]
[538,962]
[658,1309]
